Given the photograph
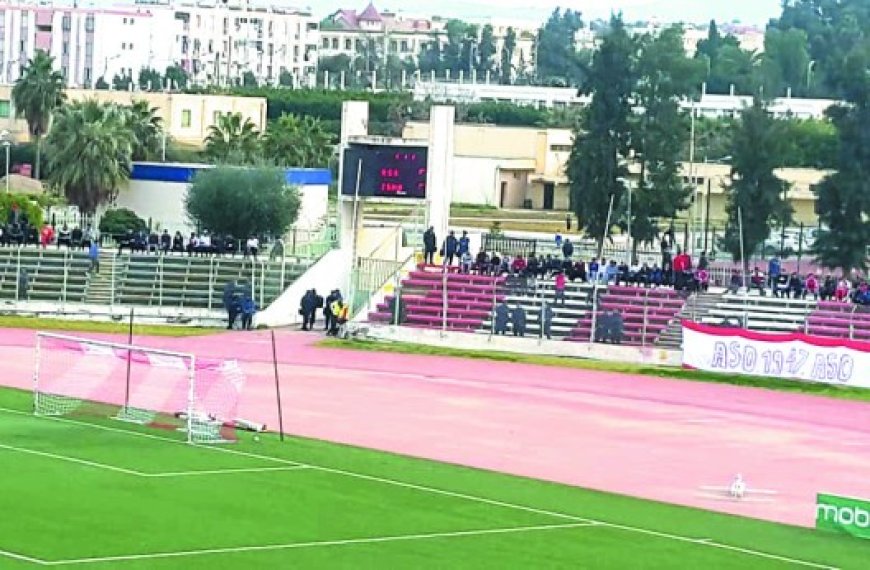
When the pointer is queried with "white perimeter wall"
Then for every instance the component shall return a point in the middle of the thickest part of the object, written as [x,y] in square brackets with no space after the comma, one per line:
[475,180]
[163,202]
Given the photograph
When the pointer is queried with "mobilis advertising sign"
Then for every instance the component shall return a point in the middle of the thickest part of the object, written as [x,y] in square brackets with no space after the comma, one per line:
[843,514]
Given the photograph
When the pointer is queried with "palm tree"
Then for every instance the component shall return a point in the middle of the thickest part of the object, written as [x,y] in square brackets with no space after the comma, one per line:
[232,140]
[91,148]
[147,130]
[37,94]
[300,142]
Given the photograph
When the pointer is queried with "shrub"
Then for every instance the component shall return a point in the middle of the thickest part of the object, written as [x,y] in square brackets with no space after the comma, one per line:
[118,221]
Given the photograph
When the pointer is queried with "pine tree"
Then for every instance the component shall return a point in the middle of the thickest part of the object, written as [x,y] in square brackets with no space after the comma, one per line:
[597,164]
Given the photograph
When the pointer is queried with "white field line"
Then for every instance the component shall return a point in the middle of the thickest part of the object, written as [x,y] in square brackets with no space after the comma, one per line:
[21,558]
[436,491]
[228,471]
[84,462]
[317,544]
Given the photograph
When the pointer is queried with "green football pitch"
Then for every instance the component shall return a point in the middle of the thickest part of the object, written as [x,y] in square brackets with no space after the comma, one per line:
[86,492]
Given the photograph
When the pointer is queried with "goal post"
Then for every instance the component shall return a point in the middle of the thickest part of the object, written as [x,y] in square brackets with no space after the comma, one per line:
[149,386]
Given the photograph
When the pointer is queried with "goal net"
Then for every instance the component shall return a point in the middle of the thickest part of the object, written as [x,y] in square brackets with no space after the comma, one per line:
[160,388]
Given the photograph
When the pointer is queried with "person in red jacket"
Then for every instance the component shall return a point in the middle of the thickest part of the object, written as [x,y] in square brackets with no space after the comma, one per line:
[46,235]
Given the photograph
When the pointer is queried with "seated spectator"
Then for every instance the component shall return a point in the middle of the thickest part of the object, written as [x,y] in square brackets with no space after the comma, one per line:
[481,263]
[252,247]
[230,245]
[128,241]
[495,265]
[92,235]
[828,289]
[64,237]
[204,246]
[178,243]
[842,291]
[622,274]
[578,271]
[165,242]
[812,286]
[140,241]
[465,262]
[656,275]
[758,280]
[518,265]
[862,295]
[780,286]
[734,283]
[46,236]
[795,287]
[192,243]
[153,242]
[533,267]
[642,276]
[610,272]
[76,236]
[593,270]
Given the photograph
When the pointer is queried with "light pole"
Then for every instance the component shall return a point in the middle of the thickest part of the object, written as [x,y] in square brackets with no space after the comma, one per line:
[7,144]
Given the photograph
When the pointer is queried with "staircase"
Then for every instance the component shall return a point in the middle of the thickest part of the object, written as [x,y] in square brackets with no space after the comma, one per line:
[100,289]
[696,307]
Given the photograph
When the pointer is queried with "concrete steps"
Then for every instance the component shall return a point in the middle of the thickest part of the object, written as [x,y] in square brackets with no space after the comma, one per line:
[697,306]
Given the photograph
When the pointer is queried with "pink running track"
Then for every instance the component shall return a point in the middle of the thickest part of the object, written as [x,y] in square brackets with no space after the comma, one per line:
[646,437]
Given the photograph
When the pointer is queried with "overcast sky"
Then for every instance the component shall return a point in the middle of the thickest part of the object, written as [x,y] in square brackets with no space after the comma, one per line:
[747,11]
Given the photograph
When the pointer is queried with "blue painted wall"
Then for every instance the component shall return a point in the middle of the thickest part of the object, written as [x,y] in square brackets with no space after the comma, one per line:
[184,173]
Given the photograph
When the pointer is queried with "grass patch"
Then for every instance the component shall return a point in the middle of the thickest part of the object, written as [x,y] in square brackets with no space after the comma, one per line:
[77,498]
[119,327]
[816,389]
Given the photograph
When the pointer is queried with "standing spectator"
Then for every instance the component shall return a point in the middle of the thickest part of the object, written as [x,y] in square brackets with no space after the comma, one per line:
[518,320]
[23,285]
[546,320]
[464,245]
[568,249]
[502,316]
[429,246]
[558,241]
[703,263]
[774,268]
[307,308]
[327,308]
[450,247]
[593,270]
[230,304]
[560,289]
[252,247]
[94,256]
[248,309]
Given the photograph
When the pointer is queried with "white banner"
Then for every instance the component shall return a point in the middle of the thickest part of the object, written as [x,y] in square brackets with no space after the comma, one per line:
[792,356]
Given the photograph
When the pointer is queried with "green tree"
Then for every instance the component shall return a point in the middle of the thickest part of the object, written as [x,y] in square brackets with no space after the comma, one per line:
[843,203]
[37,94]
[596,167]
[785,62]
[556,46]
[486,51]
[242,201]
[755,193]
[117,221]
[431,59]
[101,85]
[90,147]
[456,36]
[147,130]
[335,65]
[506,67]
[150,80]
[285,78]
[176,78]
[232,140]
[122,82]
[665,78]
[297,141]
[249,79]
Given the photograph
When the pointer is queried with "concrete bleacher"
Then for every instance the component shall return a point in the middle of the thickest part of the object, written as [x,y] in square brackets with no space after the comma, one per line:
[840,320]
[197,282]
[470,299]
[52,274]
[646,313]
[761,313]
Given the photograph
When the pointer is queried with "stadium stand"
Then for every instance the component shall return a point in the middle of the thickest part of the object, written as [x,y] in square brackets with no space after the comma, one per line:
[51,275]
[840,320]
[761,313]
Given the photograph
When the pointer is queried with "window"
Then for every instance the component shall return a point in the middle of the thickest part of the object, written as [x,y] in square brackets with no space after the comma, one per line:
[325,43]
[404,45]
[65,48]
[348,44]
[185,118]
[5,109]
[560,148]
[123,45]
[334,43]
[66,24]
[89,23]
[88,75]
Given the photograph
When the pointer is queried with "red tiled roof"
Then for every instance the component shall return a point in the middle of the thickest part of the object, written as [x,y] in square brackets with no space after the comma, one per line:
[370,14]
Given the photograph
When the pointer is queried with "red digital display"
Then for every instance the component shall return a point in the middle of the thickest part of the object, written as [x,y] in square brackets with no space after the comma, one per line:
[385,171]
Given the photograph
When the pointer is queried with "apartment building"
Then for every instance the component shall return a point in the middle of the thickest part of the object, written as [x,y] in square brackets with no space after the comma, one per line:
[214,41]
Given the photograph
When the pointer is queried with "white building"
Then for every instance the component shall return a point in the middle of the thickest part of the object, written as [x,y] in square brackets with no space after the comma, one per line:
[215,42]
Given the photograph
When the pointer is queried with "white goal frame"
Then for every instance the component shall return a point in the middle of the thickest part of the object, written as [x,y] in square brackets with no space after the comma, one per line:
[191,373]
